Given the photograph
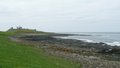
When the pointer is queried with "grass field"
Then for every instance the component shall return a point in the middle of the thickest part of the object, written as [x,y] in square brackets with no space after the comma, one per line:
[17,55]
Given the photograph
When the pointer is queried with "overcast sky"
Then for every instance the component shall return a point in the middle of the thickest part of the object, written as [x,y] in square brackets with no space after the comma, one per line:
[61,15]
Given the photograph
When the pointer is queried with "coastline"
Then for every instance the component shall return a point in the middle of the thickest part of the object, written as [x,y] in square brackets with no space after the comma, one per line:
[99,54]
[95,37]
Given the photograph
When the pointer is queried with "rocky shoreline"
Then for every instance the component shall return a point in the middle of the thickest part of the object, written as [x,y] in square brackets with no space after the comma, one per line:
[90,55]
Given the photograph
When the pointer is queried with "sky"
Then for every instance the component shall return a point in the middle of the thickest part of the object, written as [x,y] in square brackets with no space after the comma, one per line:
[61,15]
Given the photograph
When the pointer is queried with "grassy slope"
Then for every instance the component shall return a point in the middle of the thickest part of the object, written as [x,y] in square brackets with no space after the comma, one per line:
[16,55]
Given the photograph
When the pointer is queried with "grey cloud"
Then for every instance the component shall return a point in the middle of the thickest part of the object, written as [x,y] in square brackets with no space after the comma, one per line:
[52,15]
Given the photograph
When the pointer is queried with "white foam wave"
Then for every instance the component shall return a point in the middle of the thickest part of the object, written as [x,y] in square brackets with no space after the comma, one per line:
[87,40]
[111,44]
[114,43]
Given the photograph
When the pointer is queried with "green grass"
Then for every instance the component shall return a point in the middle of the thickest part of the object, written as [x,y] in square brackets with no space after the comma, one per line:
[17,55]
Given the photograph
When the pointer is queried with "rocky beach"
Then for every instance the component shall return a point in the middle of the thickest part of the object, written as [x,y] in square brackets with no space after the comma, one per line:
[89,55]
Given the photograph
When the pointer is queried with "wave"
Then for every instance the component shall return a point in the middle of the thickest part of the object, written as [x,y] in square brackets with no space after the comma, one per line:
[116,43]
[87,40]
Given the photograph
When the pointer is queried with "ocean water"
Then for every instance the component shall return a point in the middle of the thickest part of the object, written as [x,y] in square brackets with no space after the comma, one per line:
[110,38]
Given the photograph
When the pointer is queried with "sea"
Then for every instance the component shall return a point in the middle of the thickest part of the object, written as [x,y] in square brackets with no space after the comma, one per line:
[110,38]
